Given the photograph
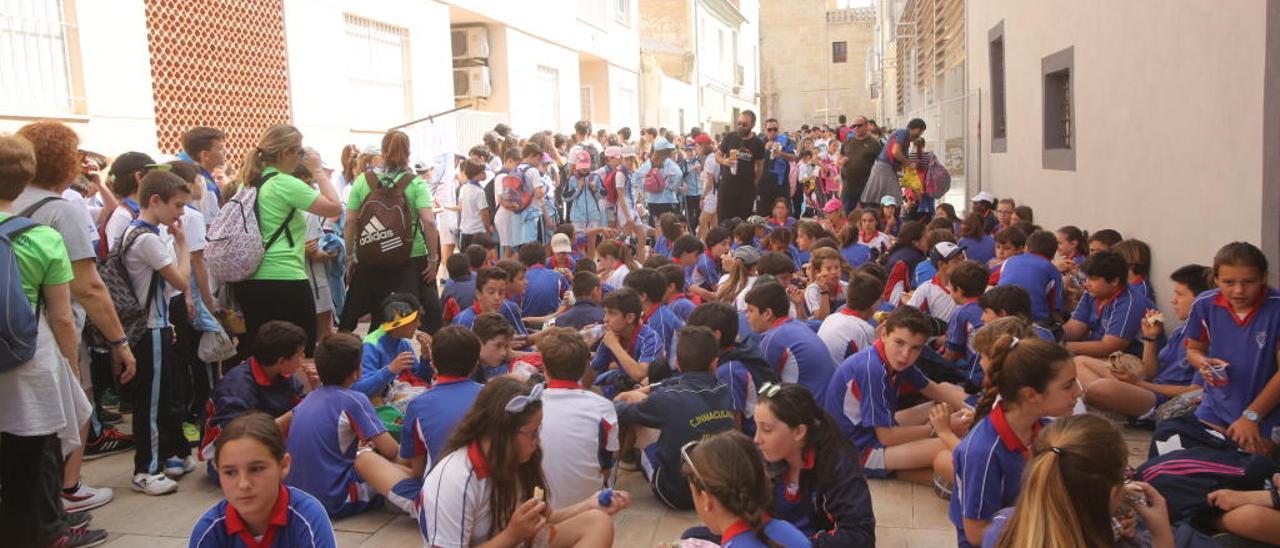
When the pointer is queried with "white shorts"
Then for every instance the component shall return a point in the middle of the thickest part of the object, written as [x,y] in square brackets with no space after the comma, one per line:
[446,225]
[709,202]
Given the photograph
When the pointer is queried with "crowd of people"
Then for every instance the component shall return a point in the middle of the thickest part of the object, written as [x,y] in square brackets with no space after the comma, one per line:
[757,323]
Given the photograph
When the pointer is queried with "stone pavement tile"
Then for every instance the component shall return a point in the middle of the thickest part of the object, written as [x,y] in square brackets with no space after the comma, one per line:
[168,515]
[365,522]
[145,541]
[401,531]
[347,539]
[635,530]
[928,511]
[672,524]
[899,537]
[891,500]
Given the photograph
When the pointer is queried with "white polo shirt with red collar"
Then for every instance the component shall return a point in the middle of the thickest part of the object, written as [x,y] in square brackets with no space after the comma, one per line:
[454,507]
[579,437]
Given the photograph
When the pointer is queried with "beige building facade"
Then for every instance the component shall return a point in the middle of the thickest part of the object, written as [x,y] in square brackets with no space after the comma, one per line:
[1160,122]
[814,61]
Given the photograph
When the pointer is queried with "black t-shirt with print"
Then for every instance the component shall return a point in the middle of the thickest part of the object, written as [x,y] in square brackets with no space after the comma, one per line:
[749,150]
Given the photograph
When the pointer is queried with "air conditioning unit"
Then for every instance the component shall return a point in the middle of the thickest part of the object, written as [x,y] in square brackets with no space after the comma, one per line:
[470,42]
[471,82]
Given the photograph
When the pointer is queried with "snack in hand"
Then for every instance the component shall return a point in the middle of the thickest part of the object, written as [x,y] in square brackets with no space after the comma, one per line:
[1154,319]
[1125,362]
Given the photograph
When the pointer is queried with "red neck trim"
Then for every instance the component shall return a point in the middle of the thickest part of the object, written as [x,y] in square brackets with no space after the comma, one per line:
[1010,439]
[739,527]
[260,375]
[1221,300]
[446,379]
[279,518]
[560,383]
[1104,302]
[478,462]
[644,318]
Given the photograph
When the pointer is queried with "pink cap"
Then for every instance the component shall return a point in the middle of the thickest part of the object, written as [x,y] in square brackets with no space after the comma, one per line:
[613,152]
[583,160]
[833,205]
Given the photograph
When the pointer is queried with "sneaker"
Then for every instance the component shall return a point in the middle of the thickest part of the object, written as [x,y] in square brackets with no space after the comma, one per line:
[153,484]
[175,467]
[79,520]
[111,441]
[107,416]
[941,487]
[109,398]
[86,498]
[79,537]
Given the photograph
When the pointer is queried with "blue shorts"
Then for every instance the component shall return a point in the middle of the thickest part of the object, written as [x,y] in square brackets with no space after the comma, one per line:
[360,497]
[653,471]
[406,494]
[873,464]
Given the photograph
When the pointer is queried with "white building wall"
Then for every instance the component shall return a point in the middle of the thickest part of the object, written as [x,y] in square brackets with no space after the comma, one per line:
[525,54]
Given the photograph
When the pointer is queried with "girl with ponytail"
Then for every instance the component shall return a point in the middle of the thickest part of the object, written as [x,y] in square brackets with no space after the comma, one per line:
[1077,463]
[1029,379]
[732,493]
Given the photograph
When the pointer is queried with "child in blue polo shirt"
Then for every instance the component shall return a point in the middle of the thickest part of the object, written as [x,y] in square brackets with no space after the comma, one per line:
[430,417]
[863,398]
[563,257]
[627,347]
[968,281]
[699,259]
[652,288]
[586,308]
[460,289]
[740,367]
[265,383]
[1010,300]
[989,461]
[387,351]
[1034,272]
[1235,328]
[544,287]
[1109,316]
[257,508]
[330,424]
[669,230]
[1165,371]
[1138,254]
[491,296]
[676,299]
[1009,242]
[790,346]
[495,336]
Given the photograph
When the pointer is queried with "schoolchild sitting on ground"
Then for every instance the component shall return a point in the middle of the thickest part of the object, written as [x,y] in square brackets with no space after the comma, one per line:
[826,292]
[863,398]
[460,289]
[586,309]
[1034,380]
[907,252]
[808,232]
[491,296]
[978,245]
[793,349]
[563,257]
[627,346]
[544,287]
[700,260]
[387,352]
[849,329]
[851,247]
[869,234]
[265,383]
[1165,371]
[1103,240]
[1253,515]
[669,230]
[968,280]
[1034,272]
[495,346]
[652,288]
[676,299]
[732,494]
[615,263]
[782,269]
[1138,255]
[489,489]
[1009,242]
[258,509]
[430,417]
[934,296]
[1109,316]
[1010,300]
[818,481]
[936,232]
[781,217]
[581,427]
[683,409]
[739,366]
[331,427]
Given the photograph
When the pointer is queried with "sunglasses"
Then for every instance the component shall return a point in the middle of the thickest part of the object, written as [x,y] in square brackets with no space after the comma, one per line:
[856,126]
[769,390]
[772,130]
[688,461]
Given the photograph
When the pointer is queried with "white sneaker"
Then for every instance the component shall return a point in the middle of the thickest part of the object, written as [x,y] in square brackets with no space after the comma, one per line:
[154,484]
[86,498]
[175,467]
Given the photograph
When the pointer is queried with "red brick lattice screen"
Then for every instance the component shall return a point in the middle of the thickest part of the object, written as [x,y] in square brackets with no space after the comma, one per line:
[219,63]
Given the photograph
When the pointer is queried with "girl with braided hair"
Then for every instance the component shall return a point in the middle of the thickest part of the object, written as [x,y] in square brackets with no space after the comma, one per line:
[1028,380]
[732,493]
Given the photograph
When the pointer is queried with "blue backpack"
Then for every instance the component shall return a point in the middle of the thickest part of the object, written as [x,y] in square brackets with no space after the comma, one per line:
[18,332]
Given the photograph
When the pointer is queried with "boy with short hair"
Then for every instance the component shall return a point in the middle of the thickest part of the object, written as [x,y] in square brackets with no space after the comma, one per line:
[1109,316]
[934,296]
[460,289]
[1011,300]
[1009,242]
[790,346]
[652,288]
[430,417]
[495,335]
[683,409]
[491,296]
[628,345]
[580,428]
[586,309]
[968,281]
[676,299]
[699,259]
[387,352]
[740,367]
[544,287]
[153,267]
[849,330]
[863,399]
[1034,272]
[332,427]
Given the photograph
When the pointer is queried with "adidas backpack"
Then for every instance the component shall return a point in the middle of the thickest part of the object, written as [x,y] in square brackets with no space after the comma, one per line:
[384,225]
[132,312]
[235,246]
[19,332]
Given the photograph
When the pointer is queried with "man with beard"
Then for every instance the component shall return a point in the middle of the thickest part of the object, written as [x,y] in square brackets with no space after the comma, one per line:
[743,154]
[857,157]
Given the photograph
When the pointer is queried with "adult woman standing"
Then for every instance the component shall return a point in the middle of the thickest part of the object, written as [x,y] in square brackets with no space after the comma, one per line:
[278,289]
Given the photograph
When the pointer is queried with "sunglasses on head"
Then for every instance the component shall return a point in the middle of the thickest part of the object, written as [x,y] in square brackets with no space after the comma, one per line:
[688,461]
[769,390]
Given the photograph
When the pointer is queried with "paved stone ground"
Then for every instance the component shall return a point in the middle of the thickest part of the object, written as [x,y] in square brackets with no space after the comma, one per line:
[906,515]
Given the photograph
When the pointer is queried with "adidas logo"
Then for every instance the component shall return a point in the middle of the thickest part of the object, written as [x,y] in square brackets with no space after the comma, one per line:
[374,231]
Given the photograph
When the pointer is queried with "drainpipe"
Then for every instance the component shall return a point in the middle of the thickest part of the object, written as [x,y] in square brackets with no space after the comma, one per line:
[697,64]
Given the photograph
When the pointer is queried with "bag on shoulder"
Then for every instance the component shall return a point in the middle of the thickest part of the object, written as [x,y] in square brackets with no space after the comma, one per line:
[654,183]
[132,312]
[515,195]
[611,186]
[235,245]
[937,180]
[19,332]
[384,225]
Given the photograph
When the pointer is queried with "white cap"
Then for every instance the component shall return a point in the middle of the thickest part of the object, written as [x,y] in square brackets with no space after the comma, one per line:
[560,243]
[983,196]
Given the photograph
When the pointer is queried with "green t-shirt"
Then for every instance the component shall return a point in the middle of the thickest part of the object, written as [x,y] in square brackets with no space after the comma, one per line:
[417,194]
[276,198]
[42,259]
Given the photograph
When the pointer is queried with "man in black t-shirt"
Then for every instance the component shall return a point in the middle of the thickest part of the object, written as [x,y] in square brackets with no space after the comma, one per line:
[742,155]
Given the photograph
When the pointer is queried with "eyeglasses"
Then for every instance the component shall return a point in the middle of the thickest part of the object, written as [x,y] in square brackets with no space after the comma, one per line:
[856,126]
[769,390]
[771,130]
[688,461]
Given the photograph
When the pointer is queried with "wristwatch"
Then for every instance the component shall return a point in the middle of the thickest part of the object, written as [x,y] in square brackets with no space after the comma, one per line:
[1250,414]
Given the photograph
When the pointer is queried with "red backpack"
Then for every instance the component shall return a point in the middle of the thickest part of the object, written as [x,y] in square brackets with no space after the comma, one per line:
[610,186]
[515,195]
[653,181]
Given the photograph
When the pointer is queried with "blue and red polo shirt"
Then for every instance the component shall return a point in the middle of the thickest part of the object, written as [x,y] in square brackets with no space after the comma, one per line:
[644,347]
[509,310]
[705,273]
[327,428]
[377,352]
[1041,280]
[863,394]
[246,387]
[297,521]
[542,295]
[662,321]
[988,465]
[856,254]
[1248,344]
[430,417]
[1119,315]
[564,260]
[965,321]
[798,355]
[682,306]
[741,535]
[1174,367]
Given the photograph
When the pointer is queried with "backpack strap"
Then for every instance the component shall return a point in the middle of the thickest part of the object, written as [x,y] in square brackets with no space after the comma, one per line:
[31,209]
[153,285]
[259,183]
[371,180]
[402,184]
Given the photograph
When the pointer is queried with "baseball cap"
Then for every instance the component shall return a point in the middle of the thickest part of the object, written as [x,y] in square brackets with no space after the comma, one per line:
[399,314]
[747,255]
[888,201]
[833,205]
[613,152]
[943,251]
[755,220]
[582,160]
[560,243]
[702,139]
[984,196]
[128,163]
[663,144]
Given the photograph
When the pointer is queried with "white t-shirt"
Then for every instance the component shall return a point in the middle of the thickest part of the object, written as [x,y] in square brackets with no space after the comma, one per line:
[616,277]
[813,296]
[576,425]
[844,334]
[76,199]
[116,225]
[454,511]
[148,255]
[473,202]
[193,228]
[935,300]
[208,205]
